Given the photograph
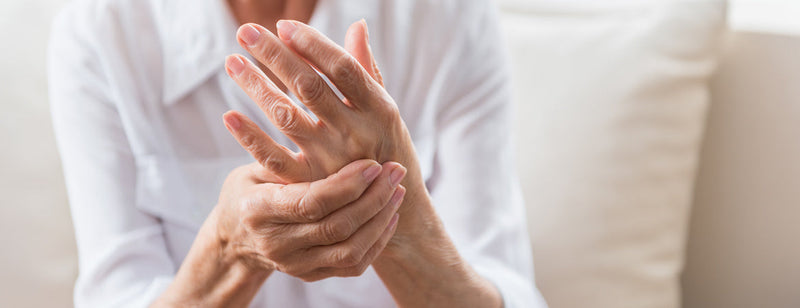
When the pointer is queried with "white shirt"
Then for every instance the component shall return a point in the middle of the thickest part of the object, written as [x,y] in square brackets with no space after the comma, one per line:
[138,88]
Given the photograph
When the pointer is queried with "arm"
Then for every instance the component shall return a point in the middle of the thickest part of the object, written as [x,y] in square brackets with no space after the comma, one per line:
[123,255]
[476,185]
[121,251]
[211,276]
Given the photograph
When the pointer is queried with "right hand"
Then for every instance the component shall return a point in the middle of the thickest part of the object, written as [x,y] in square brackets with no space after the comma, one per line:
[313,230]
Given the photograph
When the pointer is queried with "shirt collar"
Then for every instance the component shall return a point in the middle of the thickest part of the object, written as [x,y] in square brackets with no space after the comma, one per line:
[196,36]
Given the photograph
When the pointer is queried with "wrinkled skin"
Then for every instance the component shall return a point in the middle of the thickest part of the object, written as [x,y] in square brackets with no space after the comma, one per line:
[332,227]
[264,219]
[365,125]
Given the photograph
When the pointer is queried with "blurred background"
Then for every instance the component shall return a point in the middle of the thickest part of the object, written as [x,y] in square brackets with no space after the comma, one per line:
[682,188]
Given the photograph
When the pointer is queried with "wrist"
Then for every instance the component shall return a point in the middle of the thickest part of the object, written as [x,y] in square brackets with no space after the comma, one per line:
[223,241]
[429,272]
[213,274]
[421,266]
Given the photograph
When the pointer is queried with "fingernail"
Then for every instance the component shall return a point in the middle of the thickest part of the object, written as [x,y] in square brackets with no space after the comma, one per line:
[232,121]
[393,222]
[286,29]
[372,172]
[249,34]
[397,175]
[235,65]
[397,196]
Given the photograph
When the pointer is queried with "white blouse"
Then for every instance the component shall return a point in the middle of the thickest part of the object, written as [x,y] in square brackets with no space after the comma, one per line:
[138,88]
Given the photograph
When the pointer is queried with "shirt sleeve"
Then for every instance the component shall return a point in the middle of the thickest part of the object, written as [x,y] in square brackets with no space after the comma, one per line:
[474,186]
[123,258]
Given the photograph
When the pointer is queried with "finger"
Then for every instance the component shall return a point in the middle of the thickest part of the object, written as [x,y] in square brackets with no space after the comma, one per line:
[277,159]
[280,110]
[337,64]
[311,202]
[359,268]
[341,224]
[295,73]
[384,192]
[356,42]
[376,71]
[351,251]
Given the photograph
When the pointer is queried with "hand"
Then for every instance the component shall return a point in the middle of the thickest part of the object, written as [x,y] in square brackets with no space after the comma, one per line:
[366,124]
[331,227]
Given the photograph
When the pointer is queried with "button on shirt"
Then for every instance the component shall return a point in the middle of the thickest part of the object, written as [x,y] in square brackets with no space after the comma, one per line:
[138,88]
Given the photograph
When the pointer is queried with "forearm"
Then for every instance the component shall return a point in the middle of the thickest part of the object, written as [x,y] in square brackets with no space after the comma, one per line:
[423,269]
[211,276]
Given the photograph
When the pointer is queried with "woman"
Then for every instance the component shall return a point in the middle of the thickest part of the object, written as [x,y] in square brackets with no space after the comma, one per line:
[399,177]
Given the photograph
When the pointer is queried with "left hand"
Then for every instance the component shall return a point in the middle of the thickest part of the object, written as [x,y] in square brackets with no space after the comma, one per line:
[365,125]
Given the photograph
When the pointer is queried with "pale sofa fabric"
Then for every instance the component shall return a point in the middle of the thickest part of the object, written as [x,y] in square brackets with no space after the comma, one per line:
[611,100]
[744,249]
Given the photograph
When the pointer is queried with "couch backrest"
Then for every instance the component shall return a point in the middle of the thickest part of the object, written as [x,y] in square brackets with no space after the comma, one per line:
[744,239]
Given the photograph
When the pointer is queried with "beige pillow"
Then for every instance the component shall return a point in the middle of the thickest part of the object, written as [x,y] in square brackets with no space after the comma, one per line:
[611,98]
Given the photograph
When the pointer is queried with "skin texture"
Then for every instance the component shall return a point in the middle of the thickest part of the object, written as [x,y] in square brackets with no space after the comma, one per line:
[335,226]
[267,12]
[324,211]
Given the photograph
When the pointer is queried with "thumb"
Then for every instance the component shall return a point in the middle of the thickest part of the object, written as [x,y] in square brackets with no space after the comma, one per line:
[356,42]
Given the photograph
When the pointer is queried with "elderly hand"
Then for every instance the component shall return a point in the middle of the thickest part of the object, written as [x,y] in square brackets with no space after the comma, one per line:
[335,226]
[331,227]
[366,124]
[420,266]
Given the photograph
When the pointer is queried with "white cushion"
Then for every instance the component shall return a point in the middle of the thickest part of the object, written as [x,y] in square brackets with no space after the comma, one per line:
[611,98]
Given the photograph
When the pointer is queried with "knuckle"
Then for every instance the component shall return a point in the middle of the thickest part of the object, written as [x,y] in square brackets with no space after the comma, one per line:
[249,142]
[256,84]
[347,258]
[260,90]
[284,117]
[301,39]
[310,208]
[344,69]
[269,53]
[309,88]
[307,40]
[263,97]
[386,110]
[335,232]
[275,165]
